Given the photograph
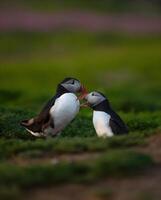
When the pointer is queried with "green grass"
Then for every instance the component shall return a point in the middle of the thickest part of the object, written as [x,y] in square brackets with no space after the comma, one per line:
[122,66]
[126,68]
[114,163]
[81,127]
[14,192]
[111,6]
[66,145]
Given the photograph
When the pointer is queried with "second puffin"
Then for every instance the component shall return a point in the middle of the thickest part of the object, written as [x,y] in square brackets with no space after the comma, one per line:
[106,122]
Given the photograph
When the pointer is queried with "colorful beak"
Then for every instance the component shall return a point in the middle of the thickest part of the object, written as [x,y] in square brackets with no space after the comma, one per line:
[83,92]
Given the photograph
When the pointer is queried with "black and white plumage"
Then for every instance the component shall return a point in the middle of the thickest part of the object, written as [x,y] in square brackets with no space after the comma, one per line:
[106,122]
[59,111]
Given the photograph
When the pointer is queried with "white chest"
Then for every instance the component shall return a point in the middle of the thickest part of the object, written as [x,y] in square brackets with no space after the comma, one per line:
[101,124]
[64,110]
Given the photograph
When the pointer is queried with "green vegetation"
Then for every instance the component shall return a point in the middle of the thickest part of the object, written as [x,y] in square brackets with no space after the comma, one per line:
[14,192]
[66,145]
[93,5]
[126,68]
[115,163]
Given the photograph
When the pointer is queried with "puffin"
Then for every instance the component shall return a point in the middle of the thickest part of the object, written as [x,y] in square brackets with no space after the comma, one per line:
[59,111]
[106,121]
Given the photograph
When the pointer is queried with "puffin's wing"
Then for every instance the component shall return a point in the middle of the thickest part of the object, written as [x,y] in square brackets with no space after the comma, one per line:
[48,105]
[48,122]
[44,115]
[38,123]
[117,125]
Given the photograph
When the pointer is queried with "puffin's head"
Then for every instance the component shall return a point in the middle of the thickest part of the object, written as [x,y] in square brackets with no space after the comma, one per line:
[94,98]
[73,85]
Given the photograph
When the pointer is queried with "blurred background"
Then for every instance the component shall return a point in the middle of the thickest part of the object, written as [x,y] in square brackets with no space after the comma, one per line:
[110,45]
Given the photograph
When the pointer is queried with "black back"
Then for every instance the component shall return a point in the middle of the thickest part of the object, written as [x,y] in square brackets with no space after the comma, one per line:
[60,91]
[116,123]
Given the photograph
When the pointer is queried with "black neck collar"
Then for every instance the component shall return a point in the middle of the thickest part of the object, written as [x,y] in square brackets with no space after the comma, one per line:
[103,106]
[61,90]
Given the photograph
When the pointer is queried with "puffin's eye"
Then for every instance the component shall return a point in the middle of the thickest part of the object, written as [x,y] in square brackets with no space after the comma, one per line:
[72,82]
[92,94]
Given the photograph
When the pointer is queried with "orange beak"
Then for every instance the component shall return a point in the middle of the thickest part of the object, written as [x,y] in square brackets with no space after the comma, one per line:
[83,92]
